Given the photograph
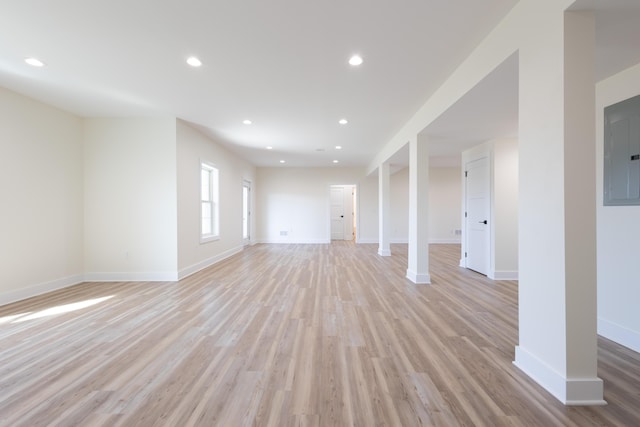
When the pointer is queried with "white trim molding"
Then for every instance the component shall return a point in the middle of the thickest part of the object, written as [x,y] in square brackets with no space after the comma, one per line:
[296,242]
[569,391]
[134,276]
[188,271]
[445,241]
[620,334]
[503,275]
[41,288]
[419,279]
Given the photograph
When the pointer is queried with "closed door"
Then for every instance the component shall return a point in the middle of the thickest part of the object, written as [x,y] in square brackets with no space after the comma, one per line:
[477,183]
[337,213]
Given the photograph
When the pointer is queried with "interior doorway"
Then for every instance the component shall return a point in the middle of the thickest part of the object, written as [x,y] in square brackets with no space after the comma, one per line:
[343,212]
[246,212]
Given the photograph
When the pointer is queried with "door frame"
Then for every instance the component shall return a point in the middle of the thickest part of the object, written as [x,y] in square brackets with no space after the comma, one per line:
[247,184]
[355,221]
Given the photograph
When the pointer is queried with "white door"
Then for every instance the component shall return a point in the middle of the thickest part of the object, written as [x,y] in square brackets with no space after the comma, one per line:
[246,212]
[337,212]
[477,183]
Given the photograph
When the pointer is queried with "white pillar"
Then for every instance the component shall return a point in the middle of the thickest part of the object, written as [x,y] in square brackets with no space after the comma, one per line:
[384,220]
[418,257]
[557,232]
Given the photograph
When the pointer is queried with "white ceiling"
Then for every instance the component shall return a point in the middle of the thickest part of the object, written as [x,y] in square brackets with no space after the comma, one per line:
[280,63]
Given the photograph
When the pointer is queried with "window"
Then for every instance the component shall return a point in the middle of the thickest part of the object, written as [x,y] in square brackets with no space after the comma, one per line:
[209,212]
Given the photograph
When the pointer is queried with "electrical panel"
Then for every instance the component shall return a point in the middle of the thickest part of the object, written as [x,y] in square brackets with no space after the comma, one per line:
[622,153]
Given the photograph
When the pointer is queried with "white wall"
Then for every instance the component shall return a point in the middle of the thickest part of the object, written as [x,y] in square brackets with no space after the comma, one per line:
[130,199]
[41,188]
[192,147]
[368,210]
[445,201]
[296,201]
[618,233]
[399,209]
[504,194]
[445,197]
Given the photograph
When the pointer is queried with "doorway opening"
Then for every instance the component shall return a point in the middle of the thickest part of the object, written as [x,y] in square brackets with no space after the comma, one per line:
[246,212]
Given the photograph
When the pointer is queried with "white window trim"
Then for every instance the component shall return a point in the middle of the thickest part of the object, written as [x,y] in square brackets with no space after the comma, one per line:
[215,219]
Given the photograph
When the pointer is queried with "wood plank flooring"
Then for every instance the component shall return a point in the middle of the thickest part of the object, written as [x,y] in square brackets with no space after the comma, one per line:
[289,335]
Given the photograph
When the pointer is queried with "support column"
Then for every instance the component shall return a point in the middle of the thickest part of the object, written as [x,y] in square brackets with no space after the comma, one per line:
[418,257]
[384,220]
[557,227]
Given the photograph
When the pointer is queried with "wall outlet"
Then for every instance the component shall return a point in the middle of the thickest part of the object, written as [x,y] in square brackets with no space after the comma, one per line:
[284,233]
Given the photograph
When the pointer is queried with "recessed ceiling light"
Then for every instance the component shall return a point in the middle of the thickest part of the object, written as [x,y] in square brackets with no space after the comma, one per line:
[193,61]
[355,60]
[319,150]
[35,62]
[343,121]
[269,147]
[282,161]
[338,147]
[246,122]
[336,161]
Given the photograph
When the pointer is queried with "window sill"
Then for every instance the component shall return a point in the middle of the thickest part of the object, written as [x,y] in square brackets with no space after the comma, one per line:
[207,239]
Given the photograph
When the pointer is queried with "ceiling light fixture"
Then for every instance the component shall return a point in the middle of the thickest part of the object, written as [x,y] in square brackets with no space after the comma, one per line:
[34,62]
[336,161]
[355,60]
[246,122]
[282,161]
[193,61]
[269,147]
[343,121]
[338,147]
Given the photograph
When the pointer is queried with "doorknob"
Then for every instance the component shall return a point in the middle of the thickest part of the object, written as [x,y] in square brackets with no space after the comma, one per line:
[483,222]
[341,216]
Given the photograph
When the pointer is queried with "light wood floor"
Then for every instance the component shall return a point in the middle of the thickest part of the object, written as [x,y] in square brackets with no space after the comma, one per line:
[308,335]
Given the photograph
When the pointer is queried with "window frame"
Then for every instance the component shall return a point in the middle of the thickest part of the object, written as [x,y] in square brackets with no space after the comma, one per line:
[213,200]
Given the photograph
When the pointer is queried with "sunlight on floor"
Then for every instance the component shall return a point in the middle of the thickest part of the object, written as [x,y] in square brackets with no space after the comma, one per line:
[60,309]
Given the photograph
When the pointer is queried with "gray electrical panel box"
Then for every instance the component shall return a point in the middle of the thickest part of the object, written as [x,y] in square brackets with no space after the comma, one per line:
[622,153]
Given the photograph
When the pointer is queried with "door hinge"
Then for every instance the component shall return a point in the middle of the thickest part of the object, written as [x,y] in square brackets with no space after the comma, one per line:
[466,173]
[465,254]
[465,214]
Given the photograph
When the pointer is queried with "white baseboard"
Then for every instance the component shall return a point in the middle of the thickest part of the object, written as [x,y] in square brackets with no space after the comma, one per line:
[296,242]
[406,241]
[367,241]
[620,334]
[398,241]
[159,276]
[188,271]
[419,279]
[384,252]
[573,392]
[503,275]
[41,288]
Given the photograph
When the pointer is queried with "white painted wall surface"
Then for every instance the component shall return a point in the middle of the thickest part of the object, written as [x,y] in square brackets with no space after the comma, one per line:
[399,209]
[192,147]
[130,199]
[445,203]
[41,189]
[292,204]
[368,210]
[505,209]
[618,233]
